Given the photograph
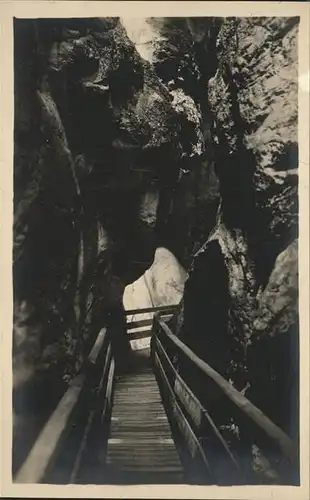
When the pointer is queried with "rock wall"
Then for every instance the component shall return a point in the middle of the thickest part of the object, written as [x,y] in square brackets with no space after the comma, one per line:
[240,308]
[96,138]
[192,202]
[162,284]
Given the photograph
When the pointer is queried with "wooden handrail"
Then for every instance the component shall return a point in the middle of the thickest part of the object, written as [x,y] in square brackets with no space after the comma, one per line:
[48,444]
[285,443]
[181,420]
[104,378]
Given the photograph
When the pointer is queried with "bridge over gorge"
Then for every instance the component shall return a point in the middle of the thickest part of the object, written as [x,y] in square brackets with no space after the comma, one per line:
[151,424]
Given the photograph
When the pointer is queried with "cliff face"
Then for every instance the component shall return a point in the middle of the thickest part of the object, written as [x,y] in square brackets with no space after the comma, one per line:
[240,301]
[98,144]
[162,284]
[167,43]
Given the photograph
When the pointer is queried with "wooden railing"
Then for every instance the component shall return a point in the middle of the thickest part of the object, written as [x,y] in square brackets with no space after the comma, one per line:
[142,328]
[211,456]
[85,405]
[82,413]
[169,309]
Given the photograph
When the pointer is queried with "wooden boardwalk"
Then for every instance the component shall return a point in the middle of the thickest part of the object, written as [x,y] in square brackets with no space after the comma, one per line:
[97,435]
[140,445]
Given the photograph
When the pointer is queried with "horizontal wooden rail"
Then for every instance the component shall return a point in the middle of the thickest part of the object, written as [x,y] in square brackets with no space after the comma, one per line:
[144,310]
[138,324]
[285,443]
[142,334]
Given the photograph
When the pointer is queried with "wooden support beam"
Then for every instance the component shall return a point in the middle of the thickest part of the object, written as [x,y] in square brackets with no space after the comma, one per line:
[104,381]
[82,447]
[109,391]
[105,370]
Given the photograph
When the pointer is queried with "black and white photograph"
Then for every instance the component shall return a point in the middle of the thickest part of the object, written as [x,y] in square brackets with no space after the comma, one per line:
[155,240]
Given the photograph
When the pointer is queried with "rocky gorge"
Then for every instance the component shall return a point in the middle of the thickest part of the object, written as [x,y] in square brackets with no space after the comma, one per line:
[176,133]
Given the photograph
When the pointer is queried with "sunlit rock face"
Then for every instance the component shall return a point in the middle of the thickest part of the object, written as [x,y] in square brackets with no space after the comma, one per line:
[240,301]
[162,284]
[274,349]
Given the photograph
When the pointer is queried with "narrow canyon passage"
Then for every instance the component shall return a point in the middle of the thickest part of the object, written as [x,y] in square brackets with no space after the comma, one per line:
[156,210]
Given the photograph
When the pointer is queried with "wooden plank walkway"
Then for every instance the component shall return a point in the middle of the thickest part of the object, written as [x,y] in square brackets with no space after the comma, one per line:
[140,446]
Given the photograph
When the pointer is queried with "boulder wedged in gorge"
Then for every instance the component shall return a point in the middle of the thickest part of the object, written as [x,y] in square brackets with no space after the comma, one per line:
[192,202]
